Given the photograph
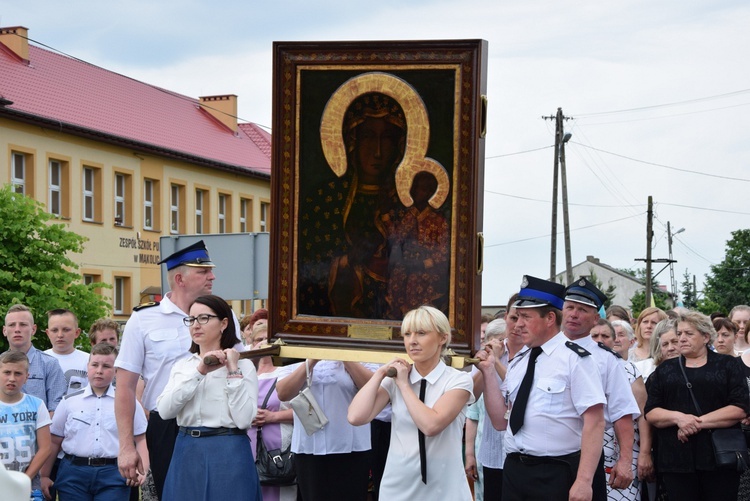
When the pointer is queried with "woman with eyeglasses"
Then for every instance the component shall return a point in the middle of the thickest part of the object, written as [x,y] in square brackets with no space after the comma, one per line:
[214,406]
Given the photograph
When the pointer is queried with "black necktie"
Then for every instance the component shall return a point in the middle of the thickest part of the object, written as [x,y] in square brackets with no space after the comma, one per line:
[519,406]
[422,451]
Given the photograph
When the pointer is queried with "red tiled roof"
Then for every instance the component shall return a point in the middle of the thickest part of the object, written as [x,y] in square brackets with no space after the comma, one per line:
[63,89]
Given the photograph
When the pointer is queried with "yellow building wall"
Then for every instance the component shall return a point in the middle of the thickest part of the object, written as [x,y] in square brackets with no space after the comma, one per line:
[127,250]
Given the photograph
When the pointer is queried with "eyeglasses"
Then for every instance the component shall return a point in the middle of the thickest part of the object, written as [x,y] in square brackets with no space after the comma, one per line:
[201,319]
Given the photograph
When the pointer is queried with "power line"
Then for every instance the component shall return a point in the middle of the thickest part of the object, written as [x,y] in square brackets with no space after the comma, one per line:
[520,152]
[547,201]
[574,229]
[664,105]
[664,166]
[672,115]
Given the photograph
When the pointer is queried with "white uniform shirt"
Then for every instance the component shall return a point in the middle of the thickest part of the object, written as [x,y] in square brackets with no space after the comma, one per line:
[87,424]
[213,400]
[154,339]
[565,386]
[617,390]
[75,367]
[446,478]
[334,390]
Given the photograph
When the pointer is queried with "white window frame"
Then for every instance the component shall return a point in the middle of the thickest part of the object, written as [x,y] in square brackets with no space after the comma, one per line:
[222,209]
[89,195]
[55,190]
[199,199]
[174,209]
[19,183]
[244,203]
[264,207]
[118,296]
[121,187]
[148,204]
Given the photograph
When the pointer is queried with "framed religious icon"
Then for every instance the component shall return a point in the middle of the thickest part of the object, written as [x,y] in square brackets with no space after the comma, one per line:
[377,181]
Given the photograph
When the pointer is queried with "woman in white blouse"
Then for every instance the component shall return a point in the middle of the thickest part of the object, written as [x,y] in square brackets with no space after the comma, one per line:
[214,406]
[332,463]
[433,423]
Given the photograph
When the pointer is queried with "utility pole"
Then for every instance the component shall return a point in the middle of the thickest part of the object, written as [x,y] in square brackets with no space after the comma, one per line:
[560,140]
[566,220]
[553,233]
[649,237]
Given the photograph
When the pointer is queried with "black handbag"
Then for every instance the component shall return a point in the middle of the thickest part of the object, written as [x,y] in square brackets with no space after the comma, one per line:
[275,467]
[730,447]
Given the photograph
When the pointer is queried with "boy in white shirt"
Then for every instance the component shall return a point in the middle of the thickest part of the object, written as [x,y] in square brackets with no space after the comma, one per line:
[24,420]
[84,427]
[63,330]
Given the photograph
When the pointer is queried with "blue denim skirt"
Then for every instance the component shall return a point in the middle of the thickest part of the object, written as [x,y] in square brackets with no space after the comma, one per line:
[212,468]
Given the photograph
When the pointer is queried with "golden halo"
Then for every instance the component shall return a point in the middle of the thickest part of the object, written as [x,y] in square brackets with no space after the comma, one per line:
[417,132]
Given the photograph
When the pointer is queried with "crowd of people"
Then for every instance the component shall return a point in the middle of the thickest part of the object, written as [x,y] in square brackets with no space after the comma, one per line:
[567,401]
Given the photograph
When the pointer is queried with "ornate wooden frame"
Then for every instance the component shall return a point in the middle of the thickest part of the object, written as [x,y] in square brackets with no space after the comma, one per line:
[313,82]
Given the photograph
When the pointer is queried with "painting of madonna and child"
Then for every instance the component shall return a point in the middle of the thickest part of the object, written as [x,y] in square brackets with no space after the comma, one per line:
[377,153]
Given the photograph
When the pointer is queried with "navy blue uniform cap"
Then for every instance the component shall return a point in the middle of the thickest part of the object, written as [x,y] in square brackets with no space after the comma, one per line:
[195,255]
[585,292]
[536,292]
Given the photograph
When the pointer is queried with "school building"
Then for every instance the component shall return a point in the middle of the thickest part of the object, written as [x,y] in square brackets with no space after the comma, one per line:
[124,163]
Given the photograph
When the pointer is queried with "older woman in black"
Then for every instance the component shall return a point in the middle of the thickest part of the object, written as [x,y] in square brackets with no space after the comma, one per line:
[685,455]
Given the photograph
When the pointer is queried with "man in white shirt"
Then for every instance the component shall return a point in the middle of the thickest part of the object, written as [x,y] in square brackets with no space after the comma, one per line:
[551,402]
[580,314]
[155,337]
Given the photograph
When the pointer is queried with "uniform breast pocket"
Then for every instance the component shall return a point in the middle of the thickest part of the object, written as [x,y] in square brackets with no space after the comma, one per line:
[79,422]
[164,342]
[553,391]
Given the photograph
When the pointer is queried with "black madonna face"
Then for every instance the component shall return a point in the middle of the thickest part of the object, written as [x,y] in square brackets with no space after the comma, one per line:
[377,149]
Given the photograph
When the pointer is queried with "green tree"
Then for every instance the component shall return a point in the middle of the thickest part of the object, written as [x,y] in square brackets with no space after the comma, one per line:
[638,301]
[689,297]
[728,283]
[609,291]
[36,268]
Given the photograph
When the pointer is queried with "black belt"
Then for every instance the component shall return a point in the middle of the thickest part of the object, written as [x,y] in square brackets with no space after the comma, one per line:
[198,432]
[79,461]
[536,460]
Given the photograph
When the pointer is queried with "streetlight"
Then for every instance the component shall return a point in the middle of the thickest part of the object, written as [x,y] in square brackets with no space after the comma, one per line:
[672,261]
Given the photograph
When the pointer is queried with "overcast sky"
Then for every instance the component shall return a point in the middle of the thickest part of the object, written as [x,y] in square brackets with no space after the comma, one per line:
[659,92]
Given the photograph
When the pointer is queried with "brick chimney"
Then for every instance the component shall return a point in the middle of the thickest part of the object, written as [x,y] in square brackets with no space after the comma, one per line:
[14,38]
[222,108]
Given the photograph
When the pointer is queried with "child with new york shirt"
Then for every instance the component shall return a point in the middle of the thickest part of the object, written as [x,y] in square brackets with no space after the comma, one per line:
[24,420]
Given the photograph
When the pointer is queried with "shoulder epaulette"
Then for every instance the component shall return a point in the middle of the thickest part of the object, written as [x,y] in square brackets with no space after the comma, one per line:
[73,394]
[143,306]
[607,348]
[577,349]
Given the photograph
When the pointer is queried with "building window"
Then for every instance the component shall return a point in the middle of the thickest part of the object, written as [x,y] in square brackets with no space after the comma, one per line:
[222,213]
[89,193]
[199,196]
[244,214]
[22,172]
[121,295]
[89,279]
[264,213]
[148,204]
[176,208]
[55,187]
[225,213]
[120,197]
